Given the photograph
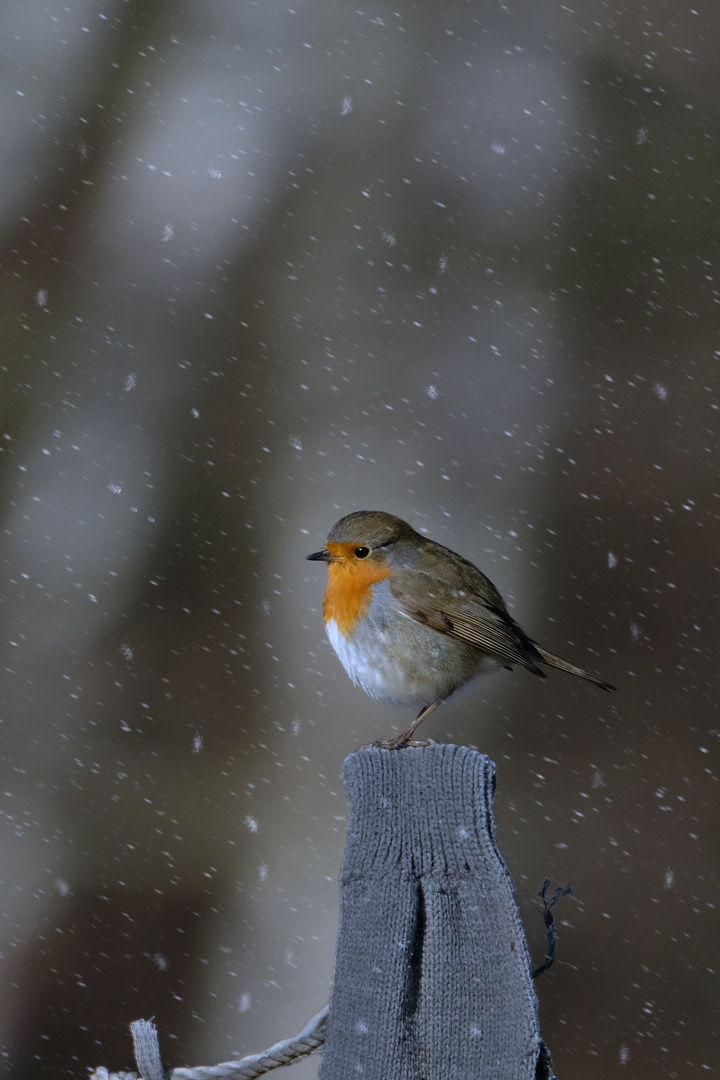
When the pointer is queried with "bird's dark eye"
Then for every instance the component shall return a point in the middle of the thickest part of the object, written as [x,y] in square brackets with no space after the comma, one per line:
[362,552]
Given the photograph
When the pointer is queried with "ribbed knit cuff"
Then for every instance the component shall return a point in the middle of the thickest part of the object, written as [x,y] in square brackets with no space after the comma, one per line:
[424,810]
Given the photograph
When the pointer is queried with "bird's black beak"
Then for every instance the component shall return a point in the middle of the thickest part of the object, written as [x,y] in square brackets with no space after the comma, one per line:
[321,556]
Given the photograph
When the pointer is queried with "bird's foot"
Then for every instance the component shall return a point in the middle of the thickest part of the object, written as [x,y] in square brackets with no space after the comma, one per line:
[398,743]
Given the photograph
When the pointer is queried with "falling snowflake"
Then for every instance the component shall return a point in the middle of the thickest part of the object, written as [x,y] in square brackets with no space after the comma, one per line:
[346,106]
[115,488]
[611,560]
[168,233]
[131,381]
[41,298]
[443,263]
[641,136]
[215,174]
[198,743]
[432,391]
[126,651]
[660,391]
[389,238]
[296,442]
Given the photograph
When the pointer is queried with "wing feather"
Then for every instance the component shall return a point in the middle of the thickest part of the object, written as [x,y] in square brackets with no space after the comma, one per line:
[468,618]
[476,614]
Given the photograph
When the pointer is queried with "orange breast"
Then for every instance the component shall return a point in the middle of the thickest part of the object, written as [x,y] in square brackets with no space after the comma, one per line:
[349,591]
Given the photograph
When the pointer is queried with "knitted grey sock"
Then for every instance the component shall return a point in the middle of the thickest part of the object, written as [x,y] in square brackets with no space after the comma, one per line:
[432,975]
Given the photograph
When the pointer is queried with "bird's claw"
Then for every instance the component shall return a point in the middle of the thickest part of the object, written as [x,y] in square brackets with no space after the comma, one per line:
[398,743]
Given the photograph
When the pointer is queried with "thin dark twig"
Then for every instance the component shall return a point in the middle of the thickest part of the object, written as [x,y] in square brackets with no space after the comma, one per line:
[549,903]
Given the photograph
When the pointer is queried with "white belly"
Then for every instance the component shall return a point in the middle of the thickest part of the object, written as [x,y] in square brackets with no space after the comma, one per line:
[423,676]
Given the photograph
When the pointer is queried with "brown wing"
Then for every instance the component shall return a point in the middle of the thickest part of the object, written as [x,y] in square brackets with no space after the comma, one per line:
[468,618]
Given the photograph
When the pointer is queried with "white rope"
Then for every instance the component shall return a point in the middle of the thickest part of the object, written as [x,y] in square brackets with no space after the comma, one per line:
[311,1038]
[147,1049]
[147,1055]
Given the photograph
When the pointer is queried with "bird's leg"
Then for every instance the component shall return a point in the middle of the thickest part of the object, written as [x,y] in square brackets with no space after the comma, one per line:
[406,738]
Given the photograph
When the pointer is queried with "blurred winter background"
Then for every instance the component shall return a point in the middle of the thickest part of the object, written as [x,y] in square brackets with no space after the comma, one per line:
[264,265]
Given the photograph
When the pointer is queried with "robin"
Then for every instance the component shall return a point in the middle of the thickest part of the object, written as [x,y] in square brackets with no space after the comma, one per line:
[411,621]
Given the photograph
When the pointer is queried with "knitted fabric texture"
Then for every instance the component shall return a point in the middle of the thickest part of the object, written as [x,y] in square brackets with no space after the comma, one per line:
[432,974]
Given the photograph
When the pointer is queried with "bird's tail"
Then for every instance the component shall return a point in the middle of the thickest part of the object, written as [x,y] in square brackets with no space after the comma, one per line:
[563,665]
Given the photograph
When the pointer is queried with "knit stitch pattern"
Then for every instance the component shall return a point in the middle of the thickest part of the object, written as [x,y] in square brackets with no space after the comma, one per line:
[432,973]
